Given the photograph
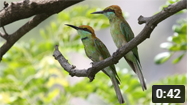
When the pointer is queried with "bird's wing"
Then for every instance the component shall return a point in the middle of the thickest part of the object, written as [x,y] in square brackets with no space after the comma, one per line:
[129,35]
[104,52]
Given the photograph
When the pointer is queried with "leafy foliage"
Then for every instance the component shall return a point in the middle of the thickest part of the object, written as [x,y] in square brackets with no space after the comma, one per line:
[177,43]
[30,75]
[26,74]
[130,87]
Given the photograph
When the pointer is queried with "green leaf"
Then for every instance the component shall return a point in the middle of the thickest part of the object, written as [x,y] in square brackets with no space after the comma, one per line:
[162,57]
[183,37]
[53,26]
[176,39]
[175,47]
[183,79]
[184,29]
[63,16]
[179,58]
[43,34]
[180,29]
[176,28]
[183,46]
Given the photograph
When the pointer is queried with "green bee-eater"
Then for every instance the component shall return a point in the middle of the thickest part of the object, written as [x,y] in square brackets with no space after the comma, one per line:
[121,33]
[97,51]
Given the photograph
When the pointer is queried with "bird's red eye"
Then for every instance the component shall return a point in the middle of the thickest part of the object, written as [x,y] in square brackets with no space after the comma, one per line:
[109,9]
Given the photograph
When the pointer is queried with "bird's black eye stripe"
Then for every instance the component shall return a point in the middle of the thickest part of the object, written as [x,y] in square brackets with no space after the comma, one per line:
[85,29]
[110,10]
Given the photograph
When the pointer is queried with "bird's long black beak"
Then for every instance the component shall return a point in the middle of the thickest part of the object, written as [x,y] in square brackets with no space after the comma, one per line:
[98,12]
[75,27]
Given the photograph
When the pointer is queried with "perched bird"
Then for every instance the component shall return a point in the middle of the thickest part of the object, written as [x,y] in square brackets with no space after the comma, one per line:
[122,33]
[97,51]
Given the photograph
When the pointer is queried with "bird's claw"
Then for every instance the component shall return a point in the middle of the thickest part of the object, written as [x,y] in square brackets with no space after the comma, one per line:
[115,53]
[113,56]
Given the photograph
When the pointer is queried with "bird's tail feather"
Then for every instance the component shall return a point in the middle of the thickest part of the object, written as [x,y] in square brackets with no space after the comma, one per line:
[140,75]
[117,90]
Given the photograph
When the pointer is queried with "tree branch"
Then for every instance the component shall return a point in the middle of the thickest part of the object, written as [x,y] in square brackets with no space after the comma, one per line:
[23,9]
[151,23]
[69,68]
[27,8]
[13,38]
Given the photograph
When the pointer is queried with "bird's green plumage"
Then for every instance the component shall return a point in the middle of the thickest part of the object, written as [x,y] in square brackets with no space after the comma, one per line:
[122,33]
[104,53]
[97,51]
[129,35]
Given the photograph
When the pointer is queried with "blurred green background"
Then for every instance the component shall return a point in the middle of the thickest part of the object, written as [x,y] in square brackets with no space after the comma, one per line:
[29,75]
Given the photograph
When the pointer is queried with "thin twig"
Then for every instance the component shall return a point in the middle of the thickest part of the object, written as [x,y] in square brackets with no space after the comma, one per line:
[4,36]
[4,31]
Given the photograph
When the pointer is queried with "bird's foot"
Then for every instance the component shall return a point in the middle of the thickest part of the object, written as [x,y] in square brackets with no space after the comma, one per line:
[114,55]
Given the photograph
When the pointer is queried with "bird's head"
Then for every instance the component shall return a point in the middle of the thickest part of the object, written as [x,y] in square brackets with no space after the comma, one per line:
[84,30]
[111,12]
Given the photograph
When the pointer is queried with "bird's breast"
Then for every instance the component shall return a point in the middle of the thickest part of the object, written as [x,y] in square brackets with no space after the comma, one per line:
[117,35]
[92,52]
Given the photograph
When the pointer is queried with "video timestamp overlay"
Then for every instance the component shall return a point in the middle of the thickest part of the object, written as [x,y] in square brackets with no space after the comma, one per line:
[168,93]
